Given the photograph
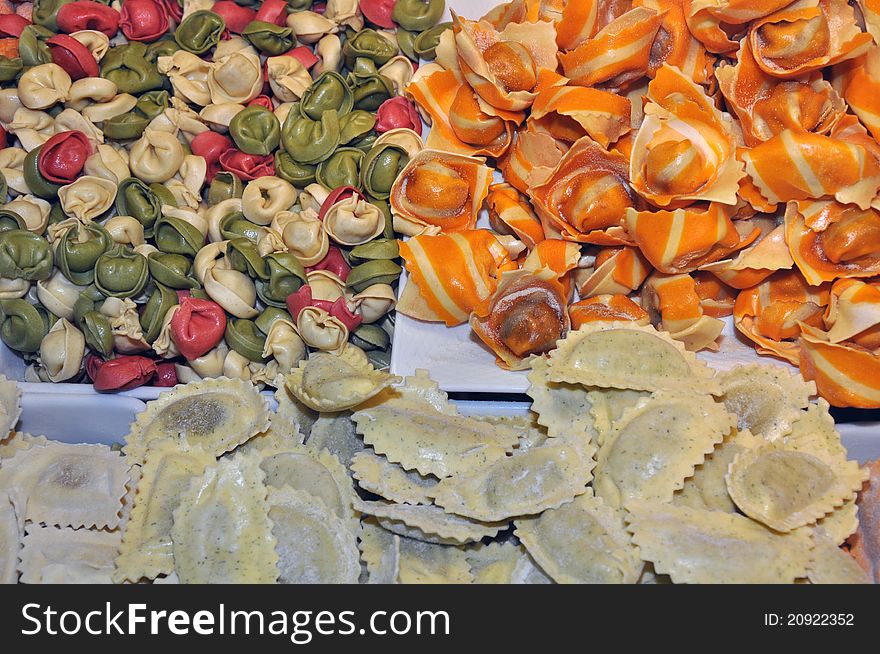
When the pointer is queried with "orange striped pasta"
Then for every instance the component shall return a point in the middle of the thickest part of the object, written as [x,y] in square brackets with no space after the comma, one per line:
[847,247]
[770,314]
[439,190]
[845,375]
[586,196]
[799,166]
[606,308]
[674,43]
[559,256]
[530,160]
[458,121]
[510,212]
[863,91]
[853,314]
[716,297]
[685,148]
[685,239]
[517,11]
[616,271]
[503,67]
[570,112]
[617,55]
[766,105]
[526,316]
[706,17]
[455,274]
[805,36]
[575,20]
[675,298]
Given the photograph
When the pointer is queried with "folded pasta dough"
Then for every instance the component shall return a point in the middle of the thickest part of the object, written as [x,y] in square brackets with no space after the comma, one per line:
[218,414]
[314,546]
[829,564]
[417,437]
[615,355]
[765,399]
[68,556]
[69,485]
[427,563]
[656,445]
[380,553]
[696,546]
[169,468]
[222,532]
[707,488]
[428,523]
[10,540]
[336,433]
[376,474]
[675,299]
[582,542]
[10,406]
[526,483]
[564,409]
[607,406]
[504,563]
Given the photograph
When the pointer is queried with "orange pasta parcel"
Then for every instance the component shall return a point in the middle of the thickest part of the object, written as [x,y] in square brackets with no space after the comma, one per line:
[716,297]
[532,157]
[685,239]
[606,308]
[561,257]
[510,212]
[767,254]
[718,24]
[619,270]
[617,55]
[674,43]
[526,316]
[685,149]
[587,195]
[862,90]
[439,192]
[452,274]
[674,298]
[845,375]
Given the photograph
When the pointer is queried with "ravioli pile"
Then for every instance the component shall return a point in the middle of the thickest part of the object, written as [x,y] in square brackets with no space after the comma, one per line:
[673,162]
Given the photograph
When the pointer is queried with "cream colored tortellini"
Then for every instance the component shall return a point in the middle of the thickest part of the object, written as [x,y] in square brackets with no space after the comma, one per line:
[405,138]
[43,86]
[325,285]
[231,289]
[164,345]
[237,77]
[186,185]
[13,289]
[218,116]
[284,345]
[12,168]
[210,365]
[115,106]
[34,212]
[215,215]
[320,330]
[265,197]
[96,42]
[229,46]
[288,78]
[87,198]
[354,221]
[189,76]
[89,90]
[180,120]
[126,230]
[329,53]
[109,163]
[304,236]
[156,156]
[309,26]
[62,351]
[313,197]
[194,218]
[374,302]
[70,120]
[58,294]
[283,110]
[9,102]
[345,13]
[128,337]
[400,71]
[32,127]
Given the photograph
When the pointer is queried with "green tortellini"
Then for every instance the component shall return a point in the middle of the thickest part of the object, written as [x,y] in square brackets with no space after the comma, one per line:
[406,41]
[200,31]
[368,44]
[268,38]
[370,337]
[328,91]
[380,168]
[38,185]
[385,208]
[269,317]
[23,325]
[370,91]
[425,45]
[342,168]
[355,125]
[243,336]
[298,174]
[121,272]
[88,300]
[129,67]
[98,332]
[134,198]
[225,186]
[79,249]
[32,46]
[45,13]
[176,236]
[255,130]
[244,257]
[235,225]
[164,47]
[160,301]
[25,255]
[285,276]
[377,271]
[172,270]
[380,248]
[10,220]
[10,69]
[131,125]
[310,141]
[165,196]
[417,15]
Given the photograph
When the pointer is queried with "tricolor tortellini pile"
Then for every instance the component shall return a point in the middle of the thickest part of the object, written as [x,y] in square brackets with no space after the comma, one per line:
[629,469]
[196,189]
[697,160]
